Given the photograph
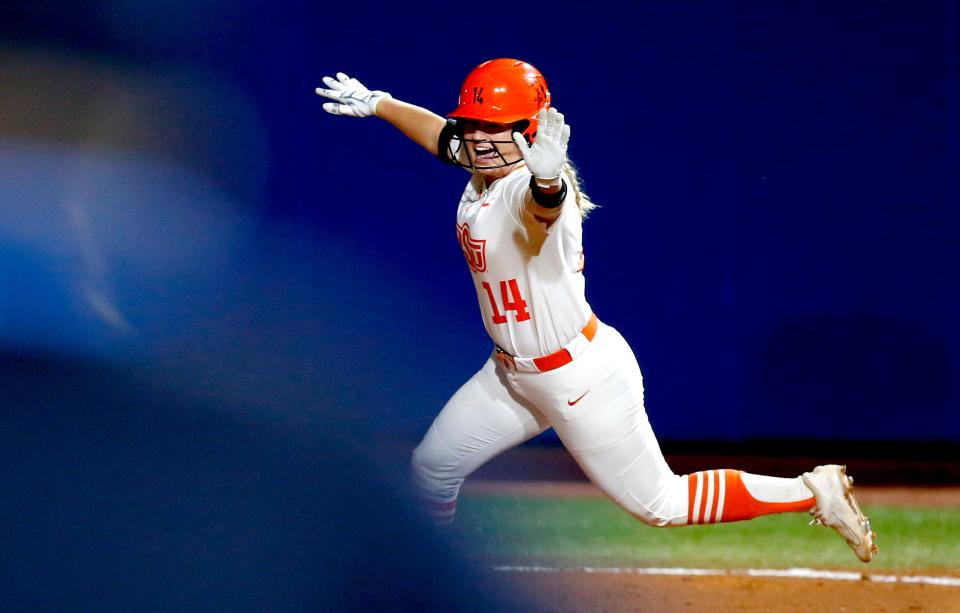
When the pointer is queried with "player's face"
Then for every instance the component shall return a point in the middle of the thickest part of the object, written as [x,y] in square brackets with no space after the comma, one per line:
[491,146]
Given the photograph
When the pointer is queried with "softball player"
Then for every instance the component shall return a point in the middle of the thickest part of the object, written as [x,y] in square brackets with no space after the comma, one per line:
[554,364]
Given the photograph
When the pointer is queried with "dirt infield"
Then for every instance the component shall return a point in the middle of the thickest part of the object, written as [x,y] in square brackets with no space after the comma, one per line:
[572,590]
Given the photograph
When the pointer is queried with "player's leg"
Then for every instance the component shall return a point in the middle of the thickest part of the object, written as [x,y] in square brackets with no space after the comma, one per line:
[826,492]
[596,406]
[609,435]
[481,420]
[727,495]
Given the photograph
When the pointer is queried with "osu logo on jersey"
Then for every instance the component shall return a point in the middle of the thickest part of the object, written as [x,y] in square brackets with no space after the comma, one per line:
[474,250]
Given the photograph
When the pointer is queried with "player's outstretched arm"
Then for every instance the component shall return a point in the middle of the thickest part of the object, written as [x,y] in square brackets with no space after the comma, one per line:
[545,159]
[351,98]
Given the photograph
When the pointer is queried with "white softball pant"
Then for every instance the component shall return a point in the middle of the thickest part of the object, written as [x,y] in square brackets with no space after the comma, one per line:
[595,404]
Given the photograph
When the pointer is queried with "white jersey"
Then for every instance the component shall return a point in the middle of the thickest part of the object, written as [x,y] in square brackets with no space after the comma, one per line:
[528,277]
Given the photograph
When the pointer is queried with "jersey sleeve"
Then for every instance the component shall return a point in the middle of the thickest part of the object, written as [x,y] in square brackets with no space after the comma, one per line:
[516,190]
[519,197]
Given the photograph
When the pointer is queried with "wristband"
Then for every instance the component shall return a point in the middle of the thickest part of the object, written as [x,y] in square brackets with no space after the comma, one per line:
[548,201]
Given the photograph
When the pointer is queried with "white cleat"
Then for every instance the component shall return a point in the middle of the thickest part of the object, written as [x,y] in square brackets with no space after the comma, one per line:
[838,509]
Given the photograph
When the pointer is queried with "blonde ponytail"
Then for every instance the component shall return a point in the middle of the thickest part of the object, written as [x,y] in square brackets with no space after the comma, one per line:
[573,179]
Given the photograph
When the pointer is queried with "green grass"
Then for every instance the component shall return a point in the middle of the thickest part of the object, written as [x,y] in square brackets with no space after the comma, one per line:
[595,532]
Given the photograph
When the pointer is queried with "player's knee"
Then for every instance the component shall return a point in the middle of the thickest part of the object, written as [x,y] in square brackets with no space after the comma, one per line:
[421,465]
[433,473]
[667,506]
[437,485]
[656,517]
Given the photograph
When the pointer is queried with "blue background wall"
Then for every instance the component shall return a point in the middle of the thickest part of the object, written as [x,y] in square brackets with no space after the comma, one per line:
[226,317]
[777,240]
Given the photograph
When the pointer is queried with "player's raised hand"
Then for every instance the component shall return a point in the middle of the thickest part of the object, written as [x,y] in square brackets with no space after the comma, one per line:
[350,97]
[546,156]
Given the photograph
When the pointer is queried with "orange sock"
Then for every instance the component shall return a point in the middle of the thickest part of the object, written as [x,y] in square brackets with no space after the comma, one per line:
[725,495]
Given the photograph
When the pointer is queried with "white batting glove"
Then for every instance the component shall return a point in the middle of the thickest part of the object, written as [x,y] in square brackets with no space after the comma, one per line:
[545,158]
[351,97]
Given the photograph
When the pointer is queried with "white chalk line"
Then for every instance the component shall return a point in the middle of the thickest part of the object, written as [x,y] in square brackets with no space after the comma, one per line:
[790,573]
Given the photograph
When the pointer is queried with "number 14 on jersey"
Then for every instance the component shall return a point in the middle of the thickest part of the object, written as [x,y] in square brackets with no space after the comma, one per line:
[511,300]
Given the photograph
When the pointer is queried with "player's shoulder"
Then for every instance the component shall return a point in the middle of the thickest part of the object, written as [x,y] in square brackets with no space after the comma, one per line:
[518,179]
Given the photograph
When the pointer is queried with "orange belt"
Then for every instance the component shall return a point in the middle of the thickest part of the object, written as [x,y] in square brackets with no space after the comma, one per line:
[556,359]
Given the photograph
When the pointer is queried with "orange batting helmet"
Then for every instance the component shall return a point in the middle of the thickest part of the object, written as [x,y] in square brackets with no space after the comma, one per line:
[504,91]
